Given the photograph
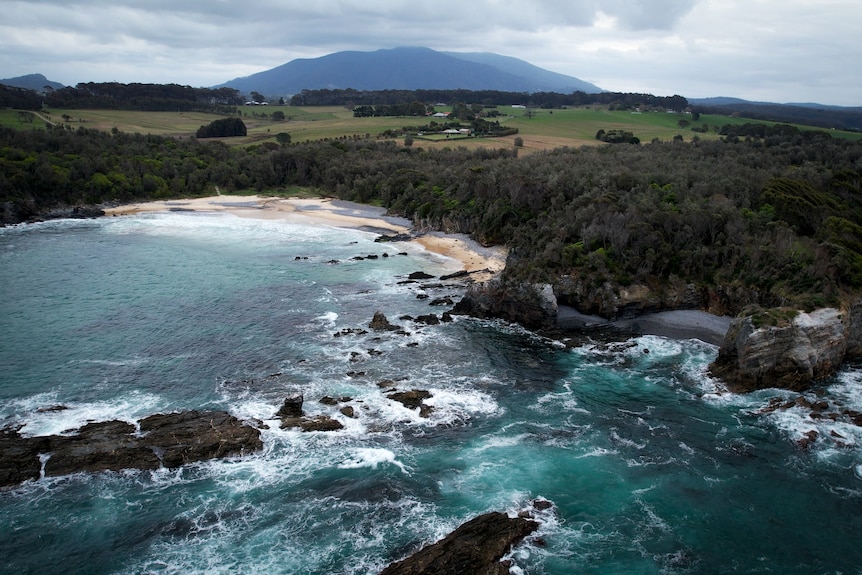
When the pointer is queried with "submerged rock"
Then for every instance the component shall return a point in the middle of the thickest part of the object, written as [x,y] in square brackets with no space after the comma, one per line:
[475,547]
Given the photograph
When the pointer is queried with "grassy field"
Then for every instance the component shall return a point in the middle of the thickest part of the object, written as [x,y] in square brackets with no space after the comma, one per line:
[539,130]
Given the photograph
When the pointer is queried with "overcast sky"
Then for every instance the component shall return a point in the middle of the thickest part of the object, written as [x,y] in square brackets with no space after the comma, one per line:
[771,50]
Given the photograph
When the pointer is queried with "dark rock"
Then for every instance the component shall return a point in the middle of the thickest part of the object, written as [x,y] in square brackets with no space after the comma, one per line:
[456,275]
[52,409]
[76,212]
[19,457]
[414,399]
[420,276]
[394,238]
[168,440]
[380,323]
[429,319]
[292,407]
[442,301]
[532,305]
[317,423]
[102,446]
[446,317]
[190,436]
[474,548]
[410,399]
[372,257]
[347,411]
[854,416]
[326,400]
[350,331]
[808,439]
[355,374]
[422,296]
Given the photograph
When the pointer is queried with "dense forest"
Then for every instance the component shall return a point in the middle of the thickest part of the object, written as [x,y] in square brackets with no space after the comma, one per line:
[19,98]
[826,117]
[147,97]
[775,212]
[615,100]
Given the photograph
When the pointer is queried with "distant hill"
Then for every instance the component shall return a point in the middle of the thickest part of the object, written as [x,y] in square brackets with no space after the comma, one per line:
[408,69]
[820,115]
[36,82]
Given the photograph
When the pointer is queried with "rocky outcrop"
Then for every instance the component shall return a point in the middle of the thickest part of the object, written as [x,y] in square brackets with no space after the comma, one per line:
[475,547]
[21,212]
[292,416]
[380,323]
[414,399]
[163,440]
[532,305]
[787,348]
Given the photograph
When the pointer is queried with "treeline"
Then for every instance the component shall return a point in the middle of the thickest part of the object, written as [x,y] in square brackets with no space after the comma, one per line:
[19,98]
[352,98]
[777,218]
[145,97]
[837,118]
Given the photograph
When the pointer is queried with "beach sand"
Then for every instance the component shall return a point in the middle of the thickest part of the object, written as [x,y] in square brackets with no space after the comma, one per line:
[482,262]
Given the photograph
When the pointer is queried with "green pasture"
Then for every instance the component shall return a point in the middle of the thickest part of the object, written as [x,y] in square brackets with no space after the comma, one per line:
[538,128]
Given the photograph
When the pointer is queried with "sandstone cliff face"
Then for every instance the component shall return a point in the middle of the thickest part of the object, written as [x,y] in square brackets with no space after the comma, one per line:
[792,355]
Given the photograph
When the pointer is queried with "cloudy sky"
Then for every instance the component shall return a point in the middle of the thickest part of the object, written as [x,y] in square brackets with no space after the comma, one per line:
[771,50]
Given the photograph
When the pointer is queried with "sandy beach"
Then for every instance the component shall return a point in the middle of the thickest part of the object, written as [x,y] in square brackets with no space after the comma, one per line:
[483,263]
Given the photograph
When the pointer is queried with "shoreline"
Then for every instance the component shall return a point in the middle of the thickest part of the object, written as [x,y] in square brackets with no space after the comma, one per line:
[480,262]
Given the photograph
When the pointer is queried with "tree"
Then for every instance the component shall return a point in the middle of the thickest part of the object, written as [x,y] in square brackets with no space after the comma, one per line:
[519,142]
[224,128]
[278,116]
[283,138]
[258,97]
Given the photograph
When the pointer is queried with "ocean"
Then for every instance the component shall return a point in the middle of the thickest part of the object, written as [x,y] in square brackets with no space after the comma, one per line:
[650,465]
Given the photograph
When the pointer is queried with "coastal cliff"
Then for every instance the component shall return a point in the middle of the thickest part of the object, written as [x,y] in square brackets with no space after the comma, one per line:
[762,347]
[788,348]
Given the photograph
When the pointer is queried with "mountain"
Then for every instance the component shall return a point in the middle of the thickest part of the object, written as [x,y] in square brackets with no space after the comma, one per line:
[407,69]
[36,82]
[545,80]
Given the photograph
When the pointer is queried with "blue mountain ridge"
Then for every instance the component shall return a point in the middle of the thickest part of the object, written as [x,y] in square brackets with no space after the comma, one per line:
[408,69]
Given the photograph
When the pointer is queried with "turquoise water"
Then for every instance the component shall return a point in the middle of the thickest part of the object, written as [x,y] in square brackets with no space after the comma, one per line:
[651,467]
